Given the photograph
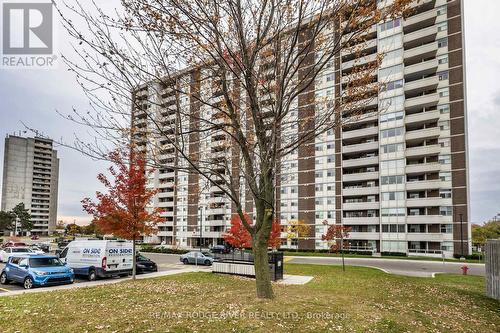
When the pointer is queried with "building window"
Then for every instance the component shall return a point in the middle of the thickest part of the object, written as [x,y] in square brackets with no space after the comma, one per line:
[442,75]
[392,132]
[390,180]
[392,196]
[444,159]
[445,176]
[443,42]
[390,24]
[443,92]
[446,211]
[391,116]
[392,164]
[445,108]
[393,102]
[392,148]
[444,125]
[392,85]
[442,10]
[443,26]
[390,71]
[445,193]
[393,212]
[442,59]
[444,142]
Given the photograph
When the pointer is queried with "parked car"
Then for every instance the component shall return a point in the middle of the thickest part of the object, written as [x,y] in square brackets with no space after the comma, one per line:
[14,244]
[18,251]
[220,249]
[36,270]
[98,258]
[36,249]
[144,265]
[35,237]
[43,246]
[197,257]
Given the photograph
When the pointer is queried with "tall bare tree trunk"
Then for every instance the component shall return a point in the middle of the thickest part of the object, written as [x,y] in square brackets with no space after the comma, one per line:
[261,263]
[264,218]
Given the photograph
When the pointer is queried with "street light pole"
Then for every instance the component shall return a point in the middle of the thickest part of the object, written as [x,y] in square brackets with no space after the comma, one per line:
[201,226]
[461,234]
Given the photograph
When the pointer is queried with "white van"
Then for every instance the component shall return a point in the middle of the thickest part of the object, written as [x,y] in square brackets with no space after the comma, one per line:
[98,258]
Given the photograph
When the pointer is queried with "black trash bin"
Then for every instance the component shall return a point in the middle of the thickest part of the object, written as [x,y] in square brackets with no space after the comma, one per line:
[276,265]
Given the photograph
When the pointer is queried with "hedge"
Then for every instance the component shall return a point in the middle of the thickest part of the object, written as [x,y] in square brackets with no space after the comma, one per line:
[152,249]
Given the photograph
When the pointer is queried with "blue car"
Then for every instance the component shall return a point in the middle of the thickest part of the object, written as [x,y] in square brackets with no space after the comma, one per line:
[36,270]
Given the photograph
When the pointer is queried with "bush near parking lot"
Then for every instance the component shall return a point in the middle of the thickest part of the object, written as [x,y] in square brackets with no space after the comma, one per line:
[152,249]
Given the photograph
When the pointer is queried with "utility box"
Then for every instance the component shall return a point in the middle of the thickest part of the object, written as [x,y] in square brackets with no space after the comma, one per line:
[493,269]
[276,265]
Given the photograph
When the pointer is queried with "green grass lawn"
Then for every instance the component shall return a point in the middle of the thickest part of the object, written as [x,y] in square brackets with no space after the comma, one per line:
[359,300]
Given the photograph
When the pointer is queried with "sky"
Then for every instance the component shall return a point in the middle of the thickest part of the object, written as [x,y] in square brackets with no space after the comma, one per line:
[34,97]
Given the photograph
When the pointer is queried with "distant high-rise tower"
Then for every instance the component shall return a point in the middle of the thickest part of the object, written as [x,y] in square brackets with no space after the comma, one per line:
[30,176]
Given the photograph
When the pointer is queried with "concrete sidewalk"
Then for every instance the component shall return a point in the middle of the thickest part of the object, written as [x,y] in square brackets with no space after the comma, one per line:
[99,282]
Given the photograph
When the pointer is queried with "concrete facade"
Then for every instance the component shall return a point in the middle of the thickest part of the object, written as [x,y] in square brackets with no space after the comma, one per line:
[30,176]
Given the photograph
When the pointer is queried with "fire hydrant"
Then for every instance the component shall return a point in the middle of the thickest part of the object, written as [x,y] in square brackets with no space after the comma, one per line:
[464,270]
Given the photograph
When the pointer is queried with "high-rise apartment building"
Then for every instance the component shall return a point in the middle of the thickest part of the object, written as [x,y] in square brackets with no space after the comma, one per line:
[30,176]
[397,175]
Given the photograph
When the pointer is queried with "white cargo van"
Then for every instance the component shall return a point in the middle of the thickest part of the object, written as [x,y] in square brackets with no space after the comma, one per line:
[98,258]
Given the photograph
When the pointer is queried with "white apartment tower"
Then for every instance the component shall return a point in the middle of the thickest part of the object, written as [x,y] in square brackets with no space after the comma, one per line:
[397,175]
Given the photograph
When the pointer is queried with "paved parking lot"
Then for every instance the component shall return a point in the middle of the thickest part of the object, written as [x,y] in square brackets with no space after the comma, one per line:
[165,262]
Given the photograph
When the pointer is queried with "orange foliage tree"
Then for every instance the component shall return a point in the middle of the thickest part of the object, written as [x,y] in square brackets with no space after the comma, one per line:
[122,211]
[239,237]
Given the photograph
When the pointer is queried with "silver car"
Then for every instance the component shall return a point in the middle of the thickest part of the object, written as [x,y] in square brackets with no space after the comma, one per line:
[197,257]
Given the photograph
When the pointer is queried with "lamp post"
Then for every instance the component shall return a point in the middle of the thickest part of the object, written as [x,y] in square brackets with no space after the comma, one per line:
[461,236]
[200,217]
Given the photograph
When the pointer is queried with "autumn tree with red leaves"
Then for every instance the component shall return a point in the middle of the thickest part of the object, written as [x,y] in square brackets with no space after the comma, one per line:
[239,237]
[122,211]
[336,234]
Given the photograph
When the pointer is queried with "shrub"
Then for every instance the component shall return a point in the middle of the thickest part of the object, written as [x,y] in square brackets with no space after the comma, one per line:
[152,249]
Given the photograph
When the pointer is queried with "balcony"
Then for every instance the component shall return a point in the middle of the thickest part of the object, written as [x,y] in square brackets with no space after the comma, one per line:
[360,205]
[359,61]
[356,162]
[421,52]
[424,101]
[427,185]
[428,237]
[218,211]
[418,21]
[422,117]
[423,151]
[360,220]
[361,176]
[169,194]
[364,235]
[428,219]
[424,133]
[422,68]
[370,44]
[369,131]
[423,168]
[429,202]
[360,147]
[360,191]
[418,86]
[420,36]
[361,118]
